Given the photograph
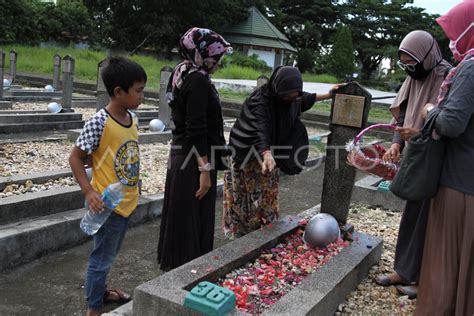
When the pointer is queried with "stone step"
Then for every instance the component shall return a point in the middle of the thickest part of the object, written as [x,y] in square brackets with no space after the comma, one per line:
[36,178]
[34,93]
[36,204]
[39,126]
[27,240]
[40,117]
[147,114]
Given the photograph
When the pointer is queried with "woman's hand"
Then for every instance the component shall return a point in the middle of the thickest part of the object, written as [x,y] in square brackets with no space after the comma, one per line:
[407,132]
[94,200]
[269,163]
[392,154]
[330,94]
[204,184]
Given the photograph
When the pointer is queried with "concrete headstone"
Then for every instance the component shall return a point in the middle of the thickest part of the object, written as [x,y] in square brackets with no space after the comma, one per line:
[2,66]
[164,111]
[68,83]
[102,95]
[57,72]
[349,113]
[13,56]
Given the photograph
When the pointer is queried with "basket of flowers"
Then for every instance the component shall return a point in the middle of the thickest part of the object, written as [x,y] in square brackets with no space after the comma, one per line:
[368,157]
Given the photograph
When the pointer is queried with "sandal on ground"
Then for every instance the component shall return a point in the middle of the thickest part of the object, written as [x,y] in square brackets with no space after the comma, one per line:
[385,280]
[122,296]
[409,290]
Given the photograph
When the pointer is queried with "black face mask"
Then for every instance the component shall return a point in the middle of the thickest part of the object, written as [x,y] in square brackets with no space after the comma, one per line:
[420,72]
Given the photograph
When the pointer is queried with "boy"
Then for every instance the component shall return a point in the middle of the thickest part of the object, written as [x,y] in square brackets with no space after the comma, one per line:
[111,138]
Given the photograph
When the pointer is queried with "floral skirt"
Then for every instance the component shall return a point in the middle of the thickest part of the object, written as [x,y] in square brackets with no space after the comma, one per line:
[250,198]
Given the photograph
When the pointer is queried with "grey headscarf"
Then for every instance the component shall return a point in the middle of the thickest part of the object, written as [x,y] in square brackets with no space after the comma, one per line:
[419,44]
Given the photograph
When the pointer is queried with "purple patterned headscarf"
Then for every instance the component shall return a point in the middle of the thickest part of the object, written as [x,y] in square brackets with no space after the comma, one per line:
[201,50]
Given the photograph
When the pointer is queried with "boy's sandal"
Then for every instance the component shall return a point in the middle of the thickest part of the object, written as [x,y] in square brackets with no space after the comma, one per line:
[408,290]
[122,296]
[384,280]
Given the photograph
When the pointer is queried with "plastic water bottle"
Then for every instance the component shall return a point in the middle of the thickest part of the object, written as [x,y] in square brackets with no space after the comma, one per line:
[112,196]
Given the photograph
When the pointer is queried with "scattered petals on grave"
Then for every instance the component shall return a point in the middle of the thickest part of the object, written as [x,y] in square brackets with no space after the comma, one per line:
[261,283]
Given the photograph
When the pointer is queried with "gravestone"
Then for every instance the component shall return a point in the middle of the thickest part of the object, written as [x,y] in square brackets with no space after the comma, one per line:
[68,82]
[56,72]
[262,80]
[2,66]
[13,56]
[102,95]
[349,113]
[164,110]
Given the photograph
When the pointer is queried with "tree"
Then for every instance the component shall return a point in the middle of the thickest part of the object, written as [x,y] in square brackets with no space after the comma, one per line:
[378,25]
[19,21]
[342,54]
[158,24]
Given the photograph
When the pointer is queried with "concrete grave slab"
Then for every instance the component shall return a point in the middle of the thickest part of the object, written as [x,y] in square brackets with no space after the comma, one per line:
[38,177]
[5,105]
[365,191]
[27,240]
[319,294]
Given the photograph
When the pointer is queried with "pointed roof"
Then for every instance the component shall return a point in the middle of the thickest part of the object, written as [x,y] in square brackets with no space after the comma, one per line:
[257,31]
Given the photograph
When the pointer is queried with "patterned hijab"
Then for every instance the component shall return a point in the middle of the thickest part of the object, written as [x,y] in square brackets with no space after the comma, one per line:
[201,50]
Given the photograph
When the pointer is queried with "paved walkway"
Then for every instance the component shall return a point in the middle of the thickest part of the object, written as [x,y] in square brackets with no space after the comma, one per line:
[53,285]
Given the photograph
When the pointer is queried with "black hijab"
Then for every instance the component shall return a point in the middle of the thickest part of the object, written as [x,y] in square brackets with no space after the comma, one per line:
[265,120]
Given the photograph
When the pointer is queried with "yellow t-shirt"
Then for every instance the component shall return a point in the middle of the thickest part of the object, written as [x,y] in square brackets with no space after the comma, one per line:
[115,156]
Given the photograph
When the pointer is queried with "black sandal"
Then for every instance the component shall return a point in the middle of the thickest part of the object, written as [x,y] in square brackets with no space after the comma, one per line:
[384,280]
[122,297]
[408,290]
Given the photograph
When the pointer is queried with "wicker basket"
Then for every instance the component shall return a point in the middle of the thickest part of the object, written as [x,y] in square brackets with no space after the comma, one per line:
[368,158]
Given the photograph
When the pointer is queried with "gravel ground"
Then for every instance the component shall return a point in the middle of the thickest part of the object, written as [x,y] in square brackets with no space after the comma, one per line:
[370,298]
[25,158]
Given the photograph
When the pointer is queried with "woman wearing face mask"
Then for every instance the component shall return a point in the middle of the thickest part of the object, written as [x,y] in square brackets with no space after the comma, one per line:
[187,220]
[420,56]
[447,272]
[268,121]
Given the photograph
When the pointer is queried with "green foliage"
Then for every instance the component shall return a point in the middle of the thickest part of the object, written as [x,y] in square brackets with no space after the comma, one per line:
[342,54]
[305,60]
[324,78]
[241,60]
[68,21]
[19,21]
[158,24]
[33,21]
[237,72]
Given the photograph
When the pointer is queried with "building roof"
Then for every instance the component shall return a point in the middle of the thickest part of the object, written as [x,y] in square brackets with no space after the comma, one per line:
[257,31]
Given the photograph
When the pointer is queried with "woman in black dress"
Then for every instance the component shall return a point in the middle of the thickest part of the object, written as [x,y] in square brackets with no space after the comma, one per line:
[187,221]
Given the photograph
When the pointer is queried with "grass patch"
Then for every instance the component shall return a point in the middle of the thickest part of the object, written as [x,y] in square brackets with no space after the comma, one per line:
[39,60]
[324,78]
[233,95]
[377,114]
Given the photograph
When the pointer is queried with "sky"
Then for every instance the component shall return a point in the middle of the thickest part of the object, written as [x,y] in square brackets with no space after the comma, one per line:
[436,6]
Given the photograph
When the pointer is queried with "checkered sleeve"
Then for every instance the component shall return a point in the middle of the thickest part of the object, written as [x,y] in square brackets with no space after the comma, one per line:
[89,139]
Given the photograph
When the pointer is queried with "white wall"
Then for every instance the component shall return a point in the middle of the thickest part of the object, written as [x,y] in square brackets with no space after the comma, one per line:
[267,56]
